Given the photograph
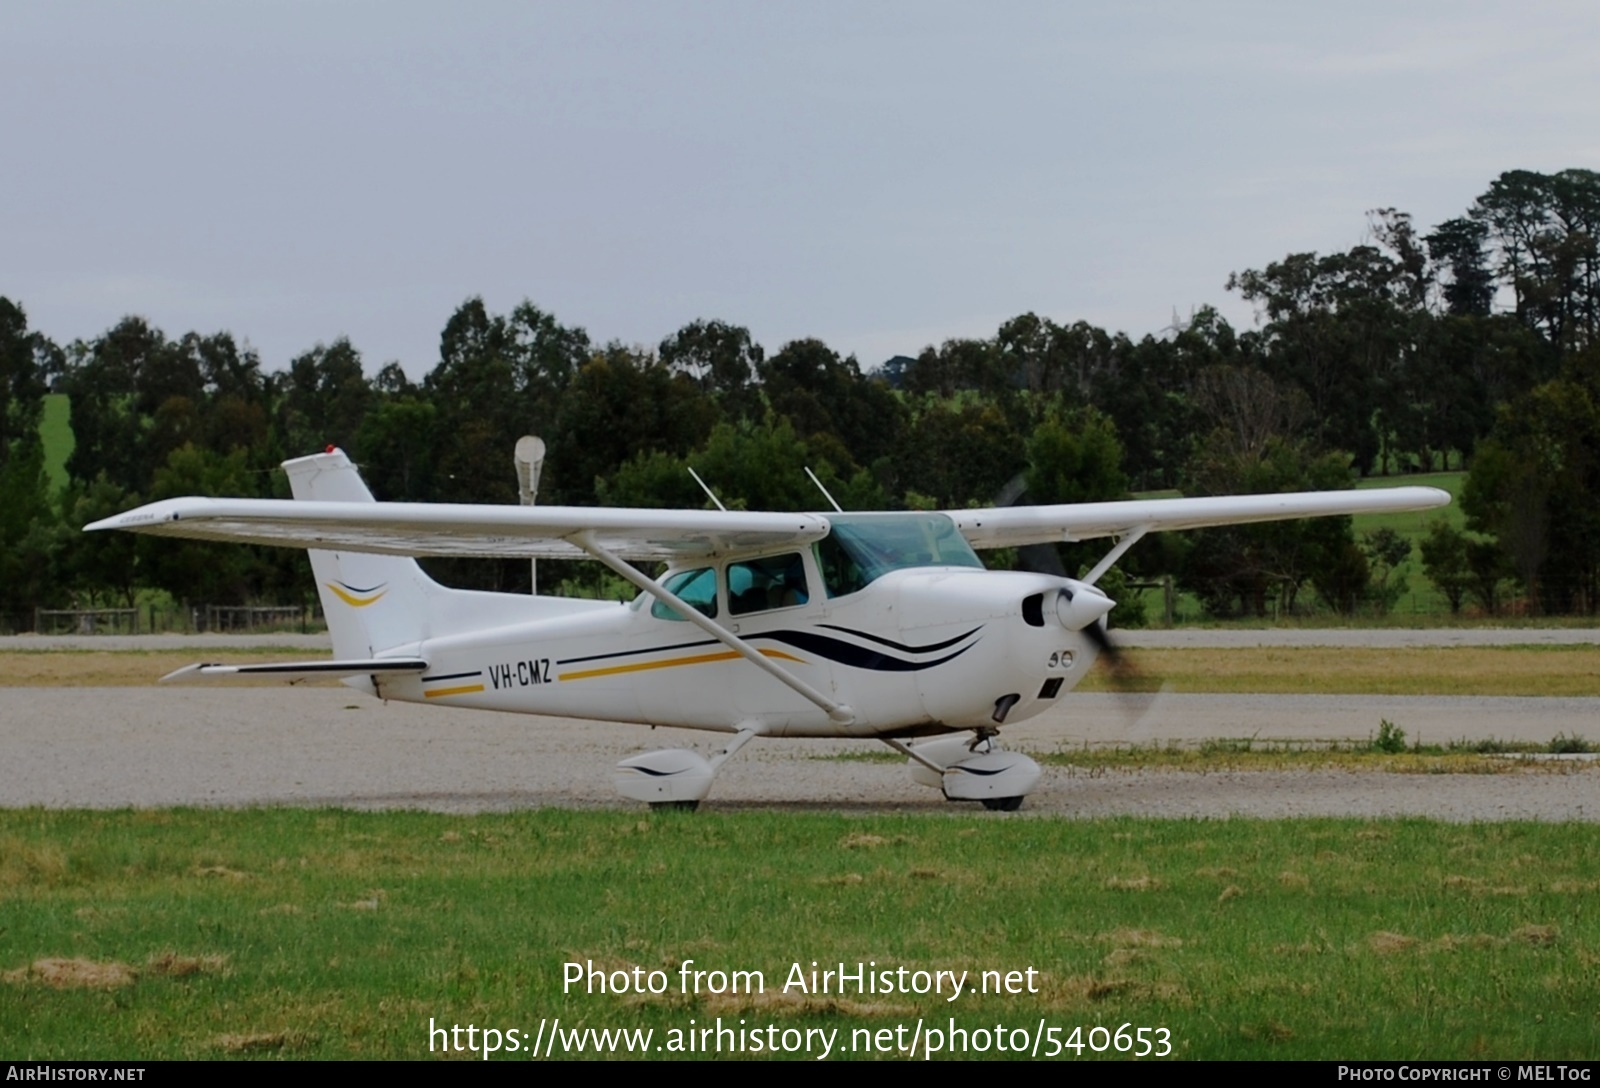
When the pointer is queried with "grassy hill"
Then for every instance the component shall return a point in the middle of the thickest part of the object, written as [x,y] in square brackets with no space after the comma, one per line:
[1422,599]
[1422,603]
[56,430]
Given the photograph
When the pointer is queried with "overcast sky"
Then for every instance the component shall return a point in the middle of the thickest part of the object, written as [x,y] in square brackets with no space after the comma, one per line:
[879,175]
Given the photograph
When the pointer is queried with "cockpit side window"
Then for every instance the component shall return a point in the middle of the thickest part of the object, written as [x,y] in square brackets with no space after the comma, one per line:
[697,588]
[841,573]
[759,585]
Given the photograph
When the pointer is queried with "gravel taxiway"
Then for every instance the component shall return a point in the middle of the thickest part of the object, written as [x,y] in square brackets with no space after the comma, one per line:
[154,746]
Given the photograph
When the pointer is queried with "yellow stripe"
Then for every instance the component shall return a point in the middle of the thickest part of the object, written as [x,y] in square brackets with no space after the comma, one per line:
[353,602]
[468,690]
[672,662]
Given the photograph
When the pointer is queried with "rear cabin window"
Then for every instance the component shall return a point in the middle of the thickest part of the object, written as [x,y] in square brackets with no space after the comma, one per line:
[759,585]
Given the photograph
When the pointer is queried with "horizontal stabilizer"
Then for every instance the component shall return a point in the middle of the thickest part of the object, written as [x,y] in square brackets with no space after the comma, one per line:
[295,671]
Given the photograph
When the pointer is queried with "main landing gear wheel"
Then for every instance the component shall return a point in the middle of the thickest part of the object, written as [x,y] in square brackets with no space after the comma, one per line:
[674,779]
[1002,804]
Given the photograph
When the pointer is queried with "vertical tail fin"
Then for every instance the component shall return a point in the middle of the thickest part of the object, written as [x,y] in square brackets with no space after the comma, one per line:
[372,603]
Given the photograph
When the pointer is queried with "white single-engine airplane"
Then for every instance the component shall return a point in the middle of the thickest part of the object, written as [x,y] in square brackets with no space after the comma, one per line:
[872,625]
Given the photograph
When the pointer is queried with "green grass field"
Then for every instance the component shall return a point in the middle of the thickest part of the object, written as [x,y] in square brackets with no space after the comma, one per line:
[1421,605]
[295,933]
[55,429]
[1422,598]
[1414,526]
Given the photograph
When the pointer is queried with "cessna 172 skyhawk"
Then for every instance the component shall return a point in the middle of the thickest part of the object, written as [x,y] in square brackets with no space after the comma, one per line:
[871,625]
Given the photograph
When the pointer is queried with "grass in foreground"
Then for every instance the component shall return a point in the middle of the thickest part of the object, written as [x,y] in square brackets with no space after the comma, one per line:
[299,933]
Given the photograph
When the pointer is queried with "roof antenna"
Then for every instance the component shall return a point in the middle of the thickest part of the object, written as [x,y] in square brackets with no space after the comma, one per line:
[706,489]
[837,508]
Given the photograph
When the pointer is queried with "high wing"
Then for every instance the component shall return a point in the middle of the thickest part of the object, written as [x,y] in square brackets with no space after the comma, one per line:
[461,529]
[458,529]
[1013,526]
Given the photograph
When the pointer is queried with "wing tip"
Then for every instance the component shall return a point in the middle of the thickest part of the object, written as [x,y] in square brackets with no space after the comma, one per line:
[188,672]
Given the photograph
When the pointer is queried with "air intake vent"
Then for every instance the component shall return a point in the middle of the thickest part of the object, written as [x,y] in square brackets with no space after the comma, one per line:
[1033,610]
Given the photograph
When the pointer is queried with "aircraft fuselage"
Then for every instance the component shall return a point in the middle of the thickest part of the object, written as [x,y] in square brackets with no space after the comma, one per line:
[917,651]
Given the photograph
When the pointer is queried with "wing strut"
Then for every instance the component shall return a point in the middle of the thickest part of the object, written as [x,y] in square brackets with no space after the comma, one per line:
[837,712]
[1133,537]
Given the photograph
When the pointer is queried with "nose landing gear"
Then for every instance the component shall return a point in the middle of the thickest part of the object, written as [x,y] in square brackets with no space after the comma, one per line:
[972,769]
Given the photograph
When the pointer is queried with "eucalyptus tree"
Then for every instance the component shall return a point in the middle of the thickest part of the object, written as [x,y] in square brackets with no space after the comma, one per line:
[721,359]
[1546,231]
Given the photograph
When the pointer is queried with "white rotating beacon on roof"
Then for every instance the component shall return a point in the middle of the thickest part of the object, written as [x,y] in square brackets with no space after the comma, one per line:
[873,625]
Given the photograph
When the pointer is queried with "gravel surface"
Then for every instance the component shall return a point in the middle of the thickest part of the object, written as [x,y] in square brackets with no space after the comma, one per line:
[148,746]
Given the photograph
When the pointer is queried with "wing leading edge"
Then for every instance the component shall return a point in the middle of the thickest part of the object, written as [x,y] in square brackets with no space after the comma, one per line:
[460,529]
[1006,527]
[457,529]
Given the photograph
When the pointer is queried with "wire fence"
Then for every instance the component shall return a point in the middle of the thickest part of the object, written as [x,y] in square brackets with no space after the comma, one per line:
[153,619]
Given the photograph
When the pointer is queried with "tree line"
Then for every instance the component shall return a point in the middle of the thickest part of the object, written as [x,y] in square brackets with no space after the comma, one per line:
[1470,345]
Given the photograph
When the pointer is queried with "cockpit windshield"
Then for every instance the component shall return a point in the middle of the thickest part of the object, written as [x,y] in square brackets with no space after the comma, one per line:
[861,548]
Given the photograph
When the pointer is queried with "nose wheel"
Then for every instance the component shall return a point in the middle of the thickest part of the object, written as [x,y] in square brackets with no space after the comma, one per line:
[964,768]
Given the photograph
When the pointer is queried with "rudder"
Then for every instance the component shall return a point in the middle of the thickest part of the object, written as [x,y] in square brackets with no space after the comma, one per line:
[372,603]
